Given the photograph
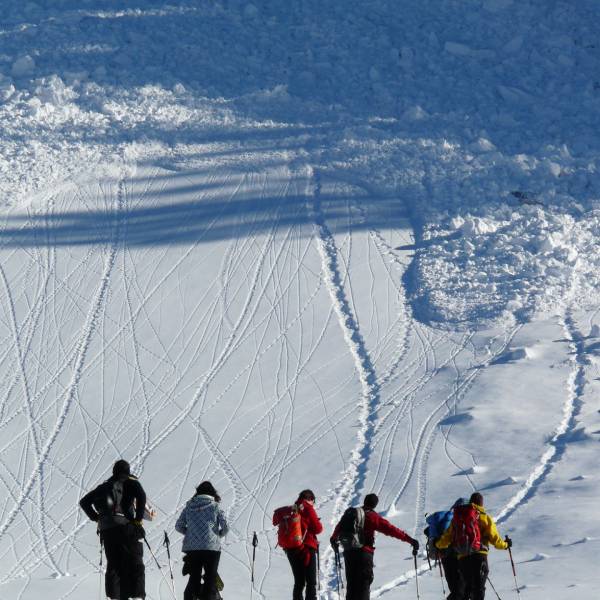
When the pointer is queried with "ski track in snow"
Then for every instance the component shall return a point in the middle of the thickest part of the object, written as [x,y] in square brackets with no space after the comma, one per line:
[556,446]
[348,489]
[405,375]
[571,409]
[69,396]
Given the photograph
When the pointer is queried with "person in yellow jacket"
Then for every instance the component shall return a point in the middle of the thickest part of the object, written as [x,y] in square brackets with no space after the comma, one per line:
[474,566]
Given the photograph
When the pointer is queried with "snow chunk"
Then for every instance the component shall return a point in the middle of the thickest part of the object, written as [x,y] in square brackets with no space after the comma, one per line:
[483,145]
[477,226]
[23,66]
[415,113]
[52,90]
[594,331]
[7,89]
[554,168]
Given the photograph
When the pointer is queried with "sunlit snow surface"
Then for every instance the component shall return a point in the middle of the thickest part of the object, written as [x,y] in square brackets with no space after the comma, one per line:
[349,246]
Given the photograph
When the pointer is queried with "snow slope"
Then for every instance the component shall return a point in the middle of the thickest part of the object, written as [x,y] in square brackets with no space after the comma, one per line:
[346,246]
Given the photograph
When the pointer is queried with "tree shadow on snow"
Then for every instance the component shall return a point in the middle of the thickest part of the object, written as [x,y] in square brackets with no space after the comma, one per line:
[196,207]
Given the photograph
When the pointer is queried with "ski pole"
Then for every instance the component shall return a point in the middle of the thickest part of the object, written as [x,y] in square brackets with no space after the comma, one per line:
[336,555]
[442,578]
[492,586]
[254,545]
[167,543]
[160,568]
[318,573]
[100,568]
[414,553]
[512,562]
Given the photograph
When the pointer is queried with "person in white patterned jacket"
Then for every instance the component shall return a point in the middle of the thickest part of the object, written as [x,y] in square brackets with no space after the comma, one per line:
[203,524]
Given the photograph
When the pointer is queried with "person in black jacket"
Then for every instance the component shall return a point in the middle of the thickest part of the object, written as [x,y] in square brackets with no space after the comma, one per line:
[117,505]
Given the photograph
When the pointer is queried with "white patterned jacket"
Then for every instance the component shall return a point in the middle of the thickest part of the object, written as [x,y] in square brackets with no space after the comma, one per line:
[202,523]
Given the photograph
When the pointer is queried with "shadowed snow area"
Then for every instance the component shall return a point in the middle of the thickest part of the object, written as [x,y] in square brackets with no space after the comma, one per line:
[479,115]
[345,245]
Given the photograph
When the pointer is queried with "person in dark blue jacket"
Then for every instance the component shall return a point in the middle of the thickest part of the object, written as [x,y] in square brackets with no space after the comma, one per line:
[118,505]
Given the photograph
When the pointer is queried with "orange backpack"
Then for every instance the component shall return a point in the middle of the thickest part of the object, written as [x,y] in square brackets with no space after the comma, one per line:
[289,527]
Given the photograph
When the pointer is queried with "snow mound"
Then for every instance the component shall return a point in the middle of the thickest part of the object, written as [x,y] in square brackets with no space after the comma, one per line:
[514,355]
[539,556]
[474,470]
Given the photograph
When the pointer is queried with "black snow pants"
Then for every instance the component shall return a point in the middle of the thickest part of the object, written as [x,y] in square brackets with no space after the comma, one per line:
[125,575]
[359,574]
[474,570]
[305,575]
[202,566]
[453,576]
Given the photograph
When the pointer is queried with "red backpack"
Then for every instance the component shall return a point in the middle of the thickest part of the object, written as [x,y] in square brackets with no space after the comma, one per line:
[289,527]
[466,536]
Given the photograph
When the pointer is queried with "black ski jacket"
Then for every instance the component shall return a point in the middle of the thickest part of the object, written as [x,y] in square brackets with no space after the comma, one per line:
[133,503]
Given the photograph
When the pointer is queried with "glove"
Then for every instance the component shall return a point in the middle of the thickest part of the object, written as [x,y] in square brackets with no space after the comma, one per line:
[95,518]
[415,546]
[334,544]
[508,541]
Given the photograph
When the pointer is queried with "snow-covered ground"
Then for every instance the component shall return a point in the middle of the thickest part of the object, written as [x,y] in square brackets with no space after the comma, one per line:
[349,246]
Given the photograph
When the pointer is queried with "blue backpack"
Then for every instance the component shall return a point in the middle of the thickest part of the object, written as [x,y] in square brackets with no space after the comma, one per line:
[437,523]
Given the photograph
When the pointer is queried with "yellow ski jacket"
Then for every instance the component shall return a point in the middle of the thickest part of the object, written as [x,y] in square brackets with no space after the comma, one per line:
[488,531]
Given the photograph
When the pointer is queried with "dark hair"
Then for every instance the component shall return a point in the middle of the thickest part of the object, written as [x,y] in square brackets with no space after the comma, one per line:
[121,467]
[371,501]
[206,488]
[306,495]
[476,498]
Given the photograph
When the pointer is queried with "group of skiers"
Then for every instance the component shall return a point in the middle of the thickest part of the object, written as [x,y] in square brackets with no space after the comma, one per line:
[459,538]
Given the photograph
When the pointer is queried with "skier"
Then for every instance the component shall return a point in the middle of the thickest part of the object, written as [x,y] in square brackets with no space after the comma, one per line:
[358,553]
[118,505]
[202,523]
[303,559]
[472,546]
[437,523]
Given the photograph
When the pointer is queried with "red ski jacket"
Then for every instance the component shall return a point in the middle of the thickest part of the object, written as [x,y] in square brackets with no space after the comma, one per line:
[311,524]
[375,522]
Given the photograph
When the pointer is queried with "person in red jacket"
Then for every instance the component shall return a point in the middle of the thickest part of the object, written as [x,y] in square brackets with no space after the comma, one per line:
[358,557]
[303,560]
